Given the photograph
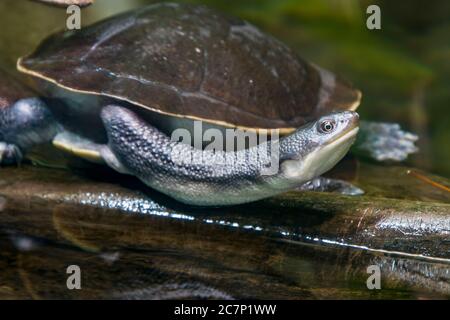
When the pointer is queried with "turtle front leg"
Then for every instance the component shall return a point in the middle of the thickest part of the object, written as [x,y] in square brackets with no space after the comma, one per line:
[10,154]
[23,125]
[322,184]
[384,141]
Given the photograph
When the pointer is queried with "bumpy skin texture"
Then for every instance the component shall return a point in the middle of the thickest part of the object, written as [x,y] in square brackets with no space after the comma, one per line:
[201,177]
[166,165]
[137,148]
[187,174]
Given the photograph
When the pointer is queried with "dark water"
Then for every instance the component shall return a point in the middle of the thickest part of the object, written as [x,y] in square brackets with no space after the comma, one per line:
[132,243]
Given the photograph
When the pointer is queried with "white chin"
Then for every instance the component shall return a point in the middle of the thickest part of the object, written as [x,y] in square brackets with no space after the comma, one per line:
[321,160]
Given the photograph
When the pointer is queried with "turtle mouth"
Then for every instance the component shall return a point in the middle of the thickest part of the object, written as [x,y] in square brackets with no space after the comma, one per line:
[345,136]
[323,158]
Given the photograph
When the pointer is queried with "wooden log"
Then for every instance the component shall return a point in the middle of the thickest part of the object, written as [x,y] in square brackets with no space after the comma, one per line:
[295,246]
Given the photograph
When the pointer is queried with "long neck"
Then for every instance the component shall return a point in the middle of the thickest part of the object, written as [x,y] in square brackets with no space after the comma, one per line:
[200,177]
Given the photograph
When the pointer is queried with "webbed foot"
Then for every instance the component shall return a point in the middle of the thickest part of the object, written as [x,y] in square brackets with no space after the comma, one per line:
[322,184]
[385,141]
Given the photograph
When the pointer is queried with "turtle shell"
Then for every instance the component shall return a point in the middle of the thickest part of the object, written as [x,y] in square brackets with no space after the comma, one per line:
[191,62]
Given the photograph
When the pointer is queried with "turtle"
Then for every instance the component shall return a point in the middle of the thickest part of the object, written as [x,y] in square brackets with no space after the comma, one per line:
[116,91]
[66,3]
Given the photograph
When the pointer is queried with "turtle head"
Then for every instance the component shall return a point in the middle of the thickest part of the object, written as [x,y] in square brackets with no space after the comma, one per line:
[318,146]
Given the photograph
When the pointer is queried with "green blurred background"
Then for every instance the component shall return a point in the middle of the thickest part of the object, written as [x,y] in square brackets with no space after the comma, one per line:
[403,69]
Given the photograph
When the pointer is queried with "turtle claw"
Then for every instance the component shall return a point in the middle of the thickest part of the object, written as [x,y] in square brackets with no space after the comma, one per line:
[10,154]
[385,141]
[322,184]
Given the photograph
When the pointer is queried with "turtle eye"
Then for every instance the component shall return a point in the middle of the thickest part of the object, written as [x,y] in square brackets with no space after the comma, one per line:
[326,126]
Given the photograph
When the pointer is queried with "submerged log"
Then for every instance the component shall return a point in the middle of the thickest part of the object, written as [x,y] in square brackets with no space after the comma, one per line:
[397,220]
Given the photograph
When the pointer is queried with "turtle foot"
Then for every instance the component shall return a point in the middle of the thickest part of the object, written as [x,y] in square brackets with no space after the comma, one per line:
[385,141]
[323,184]
[10,154]
[25,124]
